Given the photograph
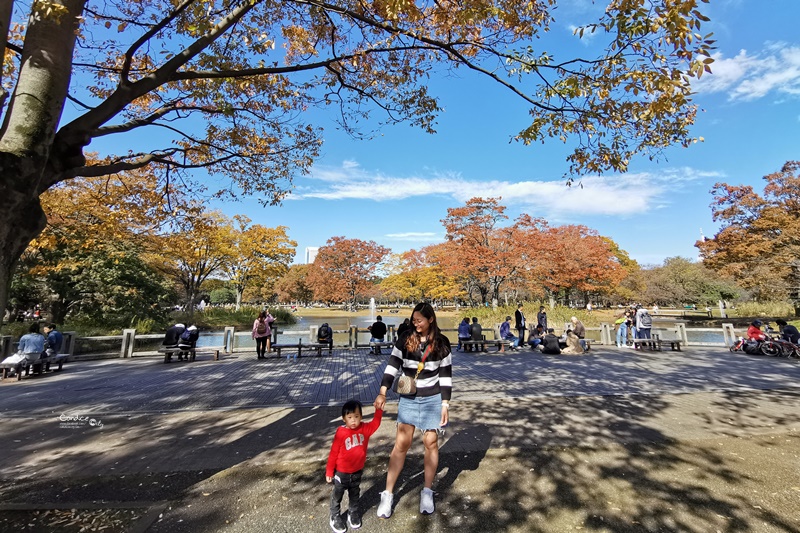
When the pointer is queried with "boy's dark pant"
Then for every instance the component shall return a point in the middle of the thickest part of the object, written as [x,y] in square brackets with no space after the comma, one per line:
[351,483]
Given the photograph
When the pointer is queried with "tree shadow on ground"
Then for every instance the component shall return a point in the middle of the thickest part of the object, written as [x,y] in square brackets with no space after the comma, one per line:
[601,463]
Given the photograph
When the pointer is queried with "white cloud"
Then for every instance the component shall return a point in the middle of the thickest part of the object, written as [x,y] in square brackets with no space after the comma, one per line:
[750,77]
[624,196]
[413,236]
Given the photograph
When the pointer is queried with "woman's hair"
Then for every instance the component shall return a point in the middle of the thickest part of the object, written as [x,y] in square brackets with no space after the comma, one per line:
[33,328]
[434,334]
[262,315]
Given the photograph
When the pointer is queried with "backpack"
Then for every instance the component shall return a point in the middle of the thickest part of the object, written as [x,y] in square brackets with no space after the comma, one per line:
[646,320]
[261,328]
[186,335]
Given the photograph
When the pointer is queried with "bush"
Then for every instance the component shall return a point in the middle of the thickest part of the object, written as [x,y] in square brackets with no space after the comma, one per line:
[766,309]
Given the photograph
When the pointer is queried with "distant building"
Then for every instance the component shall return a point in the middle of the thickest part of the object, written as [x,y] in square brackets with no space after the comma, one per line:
[311,254]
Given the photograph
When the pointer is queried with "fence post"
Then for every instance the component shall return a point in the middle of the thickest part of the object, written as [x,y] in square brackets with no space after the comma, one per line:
[391,334]
[69,342]
[5,346]
[128,340]
[313,330]
[682,332]
[227,339]
[728,334]
[605,333]
[497,332]
[352,340]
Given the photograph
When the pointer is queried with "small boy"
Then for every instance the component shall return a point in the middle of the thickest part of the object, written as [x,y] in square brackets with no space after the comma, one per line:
[346,461]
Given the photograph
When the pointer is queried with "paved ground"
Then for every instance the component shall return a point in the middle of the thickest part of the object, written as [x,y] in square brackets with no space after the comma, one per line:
[618,440]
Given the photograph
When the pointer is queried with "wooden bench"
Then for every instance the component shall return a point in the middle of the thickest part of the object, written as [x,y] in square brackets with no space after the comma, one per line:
[654,343]
[674,342]
[373,345]
[501,344]
[191,353]
[316,346]
[476,344]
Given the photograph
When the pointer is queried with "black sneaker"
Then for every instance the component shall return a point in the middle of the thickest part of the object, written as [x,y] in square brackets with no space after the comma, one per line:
[337,524]
[353,520]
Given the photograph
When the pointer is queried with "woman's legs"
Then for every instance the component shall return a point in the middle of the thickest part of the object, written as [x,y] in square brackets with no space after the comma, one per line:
[402,442]
[431,440]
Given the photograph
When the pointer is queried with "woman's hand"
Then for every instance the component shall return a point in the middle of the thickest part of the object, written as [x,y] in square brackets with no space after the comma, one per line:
[329,479]
[445,415]
[380,402]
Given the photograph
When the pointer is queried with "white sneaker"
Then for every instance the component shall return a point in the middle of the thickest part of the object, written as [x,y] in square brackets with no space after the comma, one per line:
[385,507]
[426,501]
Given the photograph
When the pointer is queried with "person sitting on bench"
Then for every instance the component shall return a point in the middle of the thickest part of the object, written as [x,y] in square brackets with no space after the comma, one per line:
[378,331]
[325,335]
[477,333]
[188,341]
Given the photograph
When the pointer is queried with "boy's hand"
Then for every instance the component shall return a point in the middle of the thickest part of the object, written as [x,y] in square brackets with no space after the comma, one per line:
[380,402]
[329,479]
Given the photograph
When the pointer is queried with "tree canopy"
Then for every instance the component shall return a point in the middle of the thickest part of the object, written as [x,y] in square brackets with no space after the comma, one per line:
[758,244]
[224,85]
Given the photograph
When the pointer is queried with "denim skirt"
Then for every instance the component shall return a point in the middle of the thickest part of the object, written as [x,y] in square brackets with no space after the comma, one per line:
[421,412]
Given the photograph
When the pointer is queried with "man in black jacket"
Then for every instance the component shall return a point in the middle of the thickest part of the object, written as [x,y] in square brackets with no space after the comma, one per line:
[550,343]
[378,332]
[519,323]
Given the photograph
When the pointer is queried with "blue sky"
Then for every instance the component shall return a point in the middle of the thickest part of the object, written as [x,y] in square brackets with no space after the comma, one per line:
[396,188]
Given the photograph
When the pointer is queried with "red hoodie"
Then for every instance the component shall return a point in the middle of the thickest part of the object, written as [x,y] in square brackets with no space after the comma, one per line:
[349,448]
[754,333]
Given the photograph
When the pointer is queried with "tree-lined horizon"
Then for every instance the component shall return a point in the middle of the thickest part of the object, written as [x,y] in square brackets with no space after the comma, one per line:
[122,266]
[226,85]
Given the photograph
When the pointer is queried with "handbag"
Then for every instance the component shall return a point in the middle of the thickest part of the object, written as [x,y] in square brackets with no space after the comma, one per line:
[406,385]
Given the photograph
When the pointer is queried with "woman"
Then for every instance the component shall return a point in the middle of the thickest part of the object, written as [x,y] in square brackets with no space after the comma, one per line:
[427,409]
[261,333]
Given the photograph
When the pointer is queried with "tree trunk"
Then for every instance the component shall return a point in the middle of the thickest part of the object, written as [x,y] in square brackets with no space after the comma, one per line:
[21,218]
[28,163]
[239,295]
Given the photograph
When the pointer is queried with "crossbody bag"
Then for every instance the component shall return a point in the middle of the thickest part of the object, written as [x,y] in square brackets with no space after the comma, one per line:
[406,385]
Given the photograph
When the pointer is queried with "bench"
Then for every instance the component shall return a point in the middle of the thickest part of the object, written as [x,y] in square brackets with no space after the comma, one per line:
[674,342]
[191,353]
[317,346]
[39,366]
[653,344]
[501,344]
[379,345]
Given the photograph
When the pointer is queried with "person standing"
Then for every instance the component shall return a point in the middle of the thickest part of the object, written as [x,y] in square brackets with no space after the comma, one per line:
[378,332]
[424,354]
[406,325]
[541,318]
[622,330]
[644,322]
[346,463]
[262,330]
[519,324]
